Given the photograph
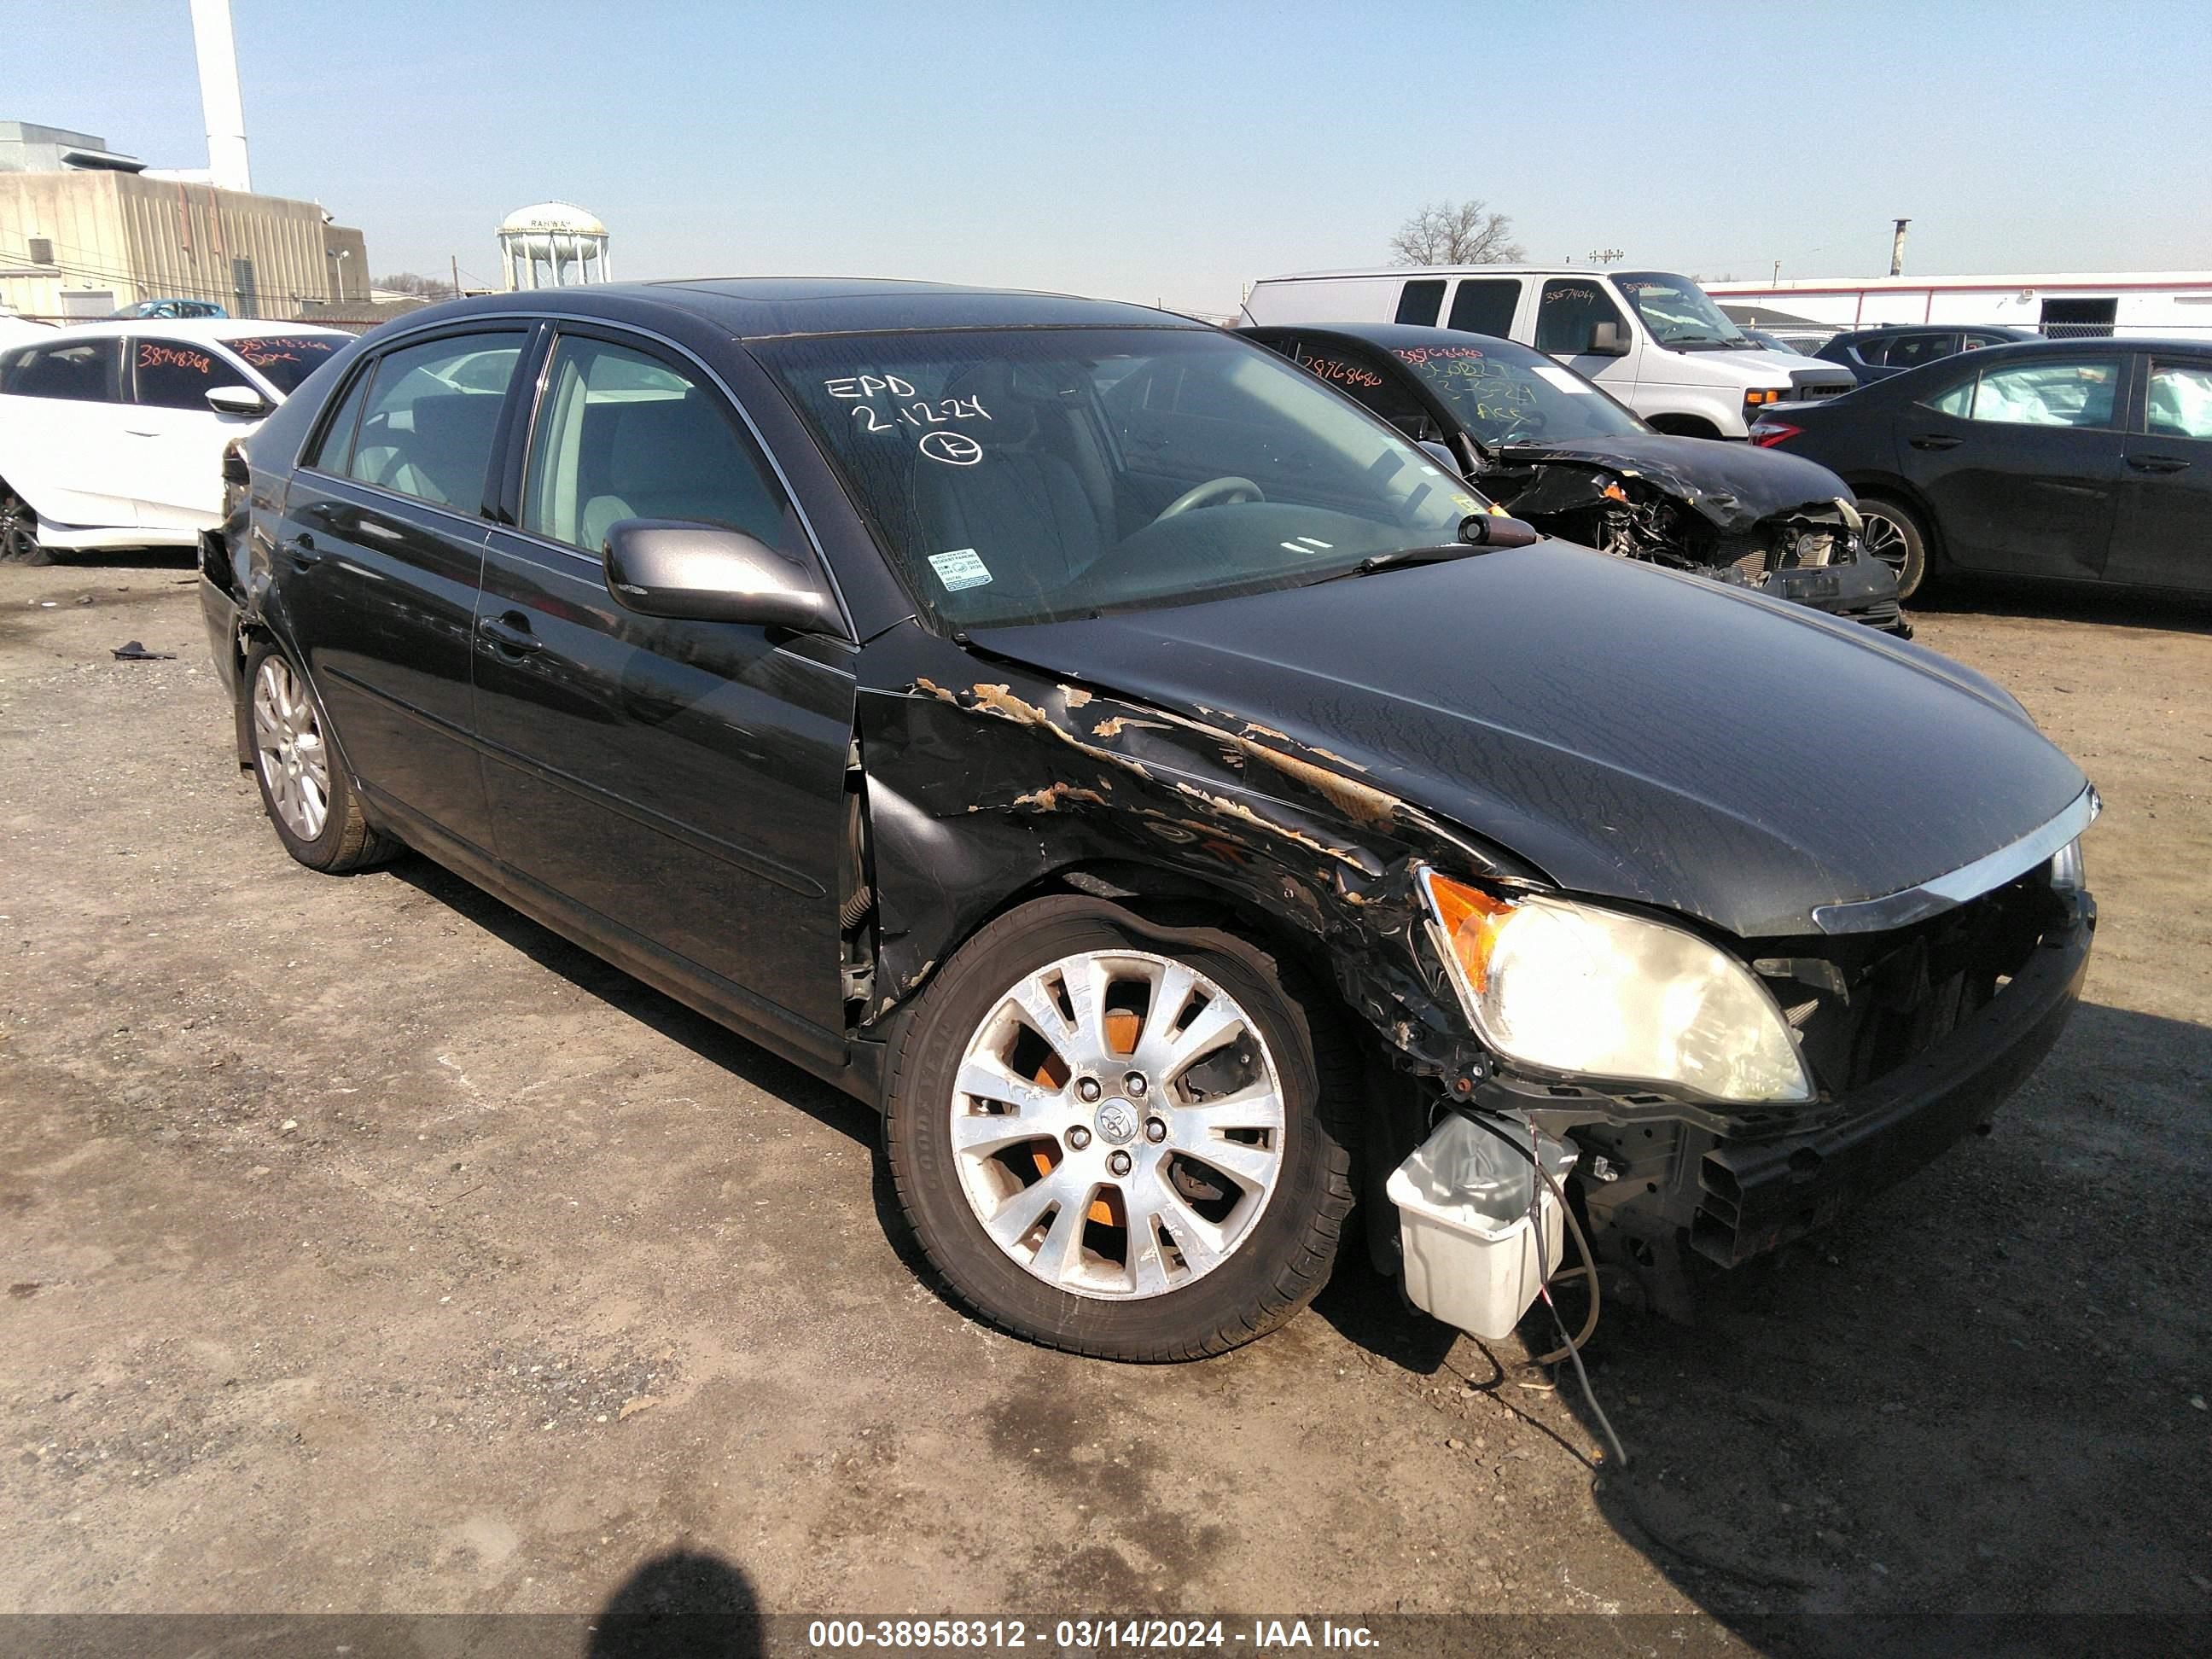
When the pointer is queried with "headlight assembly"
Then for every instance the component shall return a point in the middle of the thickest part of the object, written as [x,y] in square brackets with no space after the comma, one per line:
[1595,993]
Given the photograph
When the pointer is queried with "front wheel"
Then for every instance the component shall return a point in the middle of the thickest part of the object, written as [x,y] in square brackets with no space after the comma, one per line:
[304,788]
[1893,533]
[1119,1145]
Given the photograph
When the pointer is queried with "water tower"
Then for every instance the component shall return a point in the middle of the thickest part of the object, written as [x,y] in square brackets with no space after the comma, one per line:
[552,245]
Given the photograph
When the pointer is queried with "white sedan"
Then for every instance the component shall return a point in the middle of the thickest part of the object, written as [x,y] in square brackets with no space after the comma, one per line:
[112,434]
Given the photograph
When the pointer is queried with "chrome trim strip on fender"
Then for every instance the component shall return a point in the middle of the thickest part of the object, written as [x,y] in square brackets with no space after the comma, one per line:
[1968,881]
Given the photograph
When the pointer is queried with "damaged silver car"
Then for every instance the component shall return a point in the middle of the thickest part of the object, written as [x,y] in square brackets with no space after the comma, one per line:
[1549,446]
[1181,804]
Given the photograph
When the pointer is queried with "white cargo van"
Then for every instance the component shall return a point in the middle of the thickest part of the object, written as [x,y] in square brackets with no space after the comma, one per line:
[1650,338]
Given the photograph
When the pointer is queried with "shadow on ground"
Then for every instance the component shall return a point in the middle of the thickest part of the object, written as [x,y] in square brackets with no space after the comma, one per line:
[1973,1396]
[716,1044]
[2116,608]
[686,1604]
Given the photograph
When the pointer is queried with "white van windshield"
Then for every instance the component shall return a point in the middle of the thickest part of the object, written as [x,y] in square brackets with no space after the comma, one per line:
[1677,312]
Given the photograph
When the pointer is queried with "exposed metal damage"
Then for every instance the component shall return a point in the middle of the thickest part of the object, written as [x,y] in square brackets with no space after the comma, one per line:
[1809,551]
[1232,806]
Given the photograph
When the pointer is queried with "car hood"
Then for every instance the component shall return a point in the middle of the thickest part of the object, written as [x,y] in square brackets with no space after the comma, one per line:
[1632,732]
[1733,485]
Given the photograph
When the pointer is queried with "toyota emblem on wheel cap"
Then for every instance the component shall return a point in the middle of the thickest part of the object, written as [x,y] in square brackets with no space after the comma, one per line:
[1116,1122]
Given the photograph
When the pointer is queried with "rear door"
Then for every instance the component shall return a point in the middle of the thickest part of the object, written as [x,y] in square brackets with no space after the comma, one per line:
[2022,462]
[2163,535]
[379,556]
[680,784]
[177,440]
[64,446]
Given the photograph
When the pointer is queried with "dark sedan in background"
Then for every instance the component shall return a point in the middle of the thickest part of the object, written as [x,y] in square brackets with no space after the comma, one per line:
[2057,460]
[1877,353]
[1551,447]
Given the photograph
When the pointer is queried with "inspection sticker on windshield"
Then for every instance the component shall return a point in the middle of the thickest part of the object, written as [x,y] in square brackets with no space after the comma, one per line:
[959,569]
[1561,378]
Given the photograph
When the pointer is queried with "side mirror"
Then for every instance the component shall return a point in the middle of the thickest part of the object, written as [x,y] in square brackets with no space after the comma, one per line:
[1443,458]
[699,573]
[240,400]
[1608,340]
[1488,530]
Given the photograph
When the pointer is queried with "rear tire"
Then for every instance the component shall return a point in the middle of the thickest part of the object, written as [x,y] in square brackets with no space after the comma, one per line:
[1131,1243]
[19,531]
[1894,535]
[304,787]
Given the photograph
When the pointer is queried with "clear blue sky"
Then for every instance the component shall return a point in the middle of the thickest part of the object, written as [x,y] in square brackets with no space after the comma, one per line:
[1175,152]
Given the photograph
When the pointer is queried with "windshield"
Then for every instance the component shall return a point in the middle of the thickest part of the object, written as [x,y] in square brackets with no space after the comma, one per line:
[1676,311]
[1505,394]
[1025,476]
[285,360]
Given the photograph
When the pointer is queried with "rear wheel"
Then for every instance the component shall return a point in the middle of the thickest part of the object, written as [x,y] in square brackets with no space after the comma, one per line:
[19,531]
[303,788]
[1893,533]
[1116,1144]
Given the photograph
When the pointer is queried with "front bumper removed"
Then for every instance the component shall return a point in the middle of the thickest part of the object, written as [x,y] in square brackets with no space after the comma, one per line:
[1660,1186]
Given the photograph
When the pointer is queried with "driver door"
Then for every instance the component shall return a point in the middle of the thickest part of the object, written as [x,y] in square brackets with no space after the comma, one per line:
[1569,308]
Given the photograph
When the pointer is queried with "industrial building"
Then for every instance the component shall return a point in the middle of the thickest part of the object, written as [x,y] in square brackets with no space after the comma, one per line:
[85,230]
[2135,303]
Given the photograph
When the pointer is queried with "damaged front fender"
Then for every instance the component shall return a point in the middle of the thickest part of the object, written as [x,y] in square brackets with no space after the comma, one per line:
[986,778]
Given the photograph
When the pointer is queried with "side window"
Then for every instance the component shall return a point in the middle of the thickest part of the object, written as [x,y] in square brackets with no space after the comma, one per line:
[80,371]
[174,375]
[1380,388]
[623,436]
[1570,309]
[1874,349]
[2045,393]
[1485,305]
[1959,400]
[2181,400]
[335,448]
[432,414]
[1421,302]
[1911,350]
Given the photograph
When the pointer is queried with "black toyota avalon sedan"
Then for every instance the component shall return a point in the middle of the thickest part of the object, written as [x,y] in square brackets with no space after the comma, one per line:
[1154,782]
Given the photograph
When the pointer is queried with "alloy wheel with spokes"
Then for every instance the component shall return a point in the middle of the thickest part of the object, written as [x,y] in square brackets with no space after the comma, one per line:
[1117,1121]
[288,748]
[19,530]
[1122,1136]
[1891,534]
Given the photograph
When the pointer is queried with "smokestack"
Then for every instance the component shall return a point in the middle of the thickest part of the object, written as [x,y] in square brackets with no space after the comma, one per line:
[219,100]
[1897,249]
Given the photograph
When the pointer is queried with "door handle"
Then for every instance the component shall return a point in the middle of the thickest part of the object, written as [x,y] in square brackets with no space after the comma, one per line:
[1933,440]
[510,633]
[2157,463]
[302,550]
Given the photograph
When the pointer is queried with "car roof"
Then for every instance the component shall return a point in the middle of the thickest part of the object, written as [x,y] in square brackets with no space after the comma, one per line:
[1447,270]
[1389,336]
[766,307]
[217,329]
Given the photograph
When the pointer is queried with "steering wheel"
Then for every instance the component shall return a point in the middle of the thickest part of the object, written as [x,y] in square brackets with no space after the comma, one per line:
[1213,491]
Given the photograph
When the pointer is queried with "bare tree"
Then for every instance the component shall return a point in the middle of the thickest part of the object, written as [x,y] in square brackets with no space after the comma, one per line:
[407,281]
[1456,233]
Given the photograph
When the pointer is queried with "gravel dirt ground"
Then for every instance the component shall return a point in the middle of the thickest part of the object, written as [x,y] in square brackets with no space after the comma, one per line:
[369,1247]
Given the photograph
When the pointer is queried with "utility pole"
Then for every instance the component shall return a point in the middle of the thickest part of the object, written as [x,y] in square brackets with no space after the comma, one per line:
[1777,270]
[456,258]
[1605,256]
[1897,248]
